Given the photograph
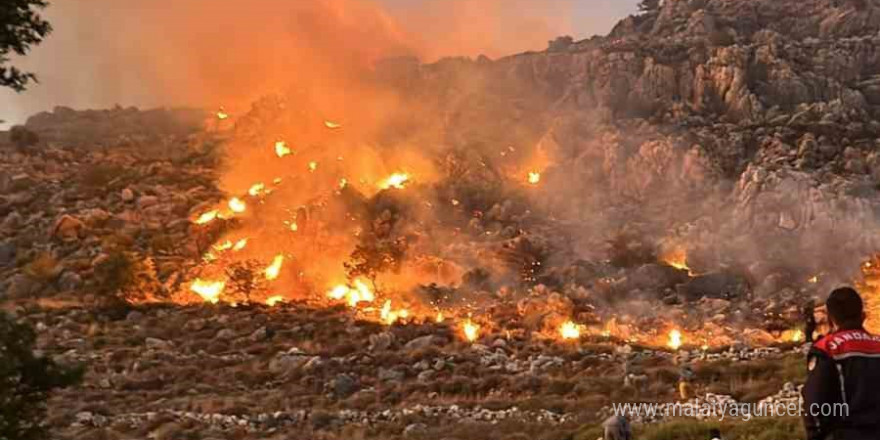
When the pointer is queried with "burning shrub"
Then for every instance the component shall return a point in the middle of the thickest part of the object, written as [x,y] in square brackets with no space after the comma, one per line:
[123,279]
[374,257]
[27,381]
[244,278]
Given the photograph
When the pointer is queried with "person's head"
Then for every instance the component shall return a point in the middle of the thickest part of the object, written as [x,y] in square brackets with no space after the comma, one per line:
[845,309]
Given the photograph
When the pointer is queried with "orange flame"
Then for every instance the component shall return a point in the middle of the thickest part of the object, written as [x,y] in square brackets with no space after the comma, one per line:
[677,258]
[281,149]
[272,301]
[274,269]
[222,115]
[240,244]
[332,125]
[675,339]
[570,330]
[209,290]
[313,166]
[390,316]
[256,189]
[471,330]
[353,295]
[396,180]
[237,205]
[534,177]
[225,246]
[207,217]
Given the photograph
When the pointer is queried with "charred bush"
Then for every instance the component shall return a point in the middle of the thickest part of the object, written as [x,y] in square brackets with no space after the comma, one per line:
[123,279]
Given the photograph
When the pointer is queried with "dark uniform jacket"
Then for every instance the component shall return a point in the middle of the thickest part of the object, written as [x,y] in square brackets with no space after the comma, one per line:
[842,393]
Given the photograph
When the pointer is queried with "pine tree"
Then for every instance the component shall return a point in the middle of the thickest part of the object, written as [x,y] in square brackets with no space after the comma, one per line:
[20,28]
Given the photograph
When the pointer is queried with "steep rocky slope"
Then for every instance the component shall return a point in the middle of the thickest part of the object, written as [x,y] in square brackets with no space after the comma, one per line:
[752,122]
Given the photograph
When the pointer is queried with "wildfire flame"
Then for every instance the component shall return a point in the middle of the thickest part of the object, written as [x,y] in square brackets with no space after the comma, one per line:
[313,166]
[240,244]
[332,125]
[236,205]
[396,180]
[675,340]
[570,330]
[209,290]
[222,115]
[272,301]
[534,177]
[207,217]
[274,269]
[281,149]
[353,295]
[677,258]
[813,280]
[390,316]
[256,189]
[225,246]
[471,330]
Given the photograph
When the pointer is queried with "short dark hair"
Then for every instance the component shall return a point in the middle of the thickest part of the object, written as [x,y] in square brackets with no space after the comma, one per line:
[845,308]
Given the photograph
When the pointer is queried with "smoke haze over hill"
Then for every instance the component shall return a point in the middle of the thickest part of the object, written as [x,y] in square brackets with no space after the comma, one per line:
[207,53]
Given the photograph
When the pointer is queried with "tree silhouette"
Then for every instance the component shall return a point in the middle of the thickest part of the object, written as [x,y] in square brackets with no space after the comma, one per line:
[20,28]
[26,381]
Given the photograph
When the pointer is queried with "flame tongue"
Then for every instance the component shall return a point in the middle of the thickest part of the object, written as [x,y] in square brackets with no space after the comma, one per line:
[471,330]
[397,180]
[207,217]
[210,291]
[274,269]
[534,177]
[675,340]
[570,330]
[236,205]
[281,149]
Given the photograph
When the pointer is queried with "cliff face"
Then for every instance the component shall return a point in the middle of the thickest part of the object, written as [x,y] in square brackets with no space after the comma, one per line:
[748,118]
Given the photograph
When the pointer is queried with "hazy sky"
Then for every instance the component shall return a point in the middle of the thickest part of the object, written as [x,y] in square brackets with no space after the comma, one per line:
[90,62]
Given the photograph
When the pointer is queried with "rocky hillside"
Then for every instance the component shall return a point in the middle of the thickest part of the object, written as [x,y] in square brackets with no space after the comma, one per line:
[756,121]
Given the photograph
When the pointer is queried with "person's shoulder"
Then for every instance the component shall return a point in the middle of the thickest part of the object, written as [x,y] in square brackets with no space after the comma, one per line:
[848,343]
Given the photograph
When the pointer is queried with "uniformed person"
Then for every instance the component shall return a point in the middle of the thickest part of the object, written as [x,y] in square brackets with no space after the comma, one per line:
[842,393]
